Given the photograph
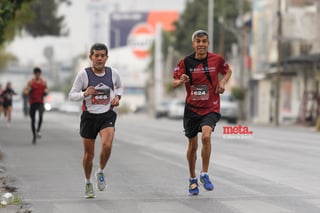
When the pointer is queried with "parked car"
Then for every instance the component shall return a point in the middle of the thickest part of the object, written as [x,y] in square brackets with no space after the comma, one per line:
[162,109]
[176,108]
[70,107]
[54,100]
[229,108]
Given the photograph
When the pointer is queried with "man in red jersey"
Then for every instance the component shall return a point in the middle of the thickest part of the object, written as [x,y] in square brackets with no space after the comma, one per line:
[199,72]
[37,90]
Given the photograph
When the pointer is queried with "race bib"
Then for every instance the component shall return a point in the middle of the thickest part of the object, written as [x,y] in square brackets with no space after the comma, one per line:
[199,92]
[102,96]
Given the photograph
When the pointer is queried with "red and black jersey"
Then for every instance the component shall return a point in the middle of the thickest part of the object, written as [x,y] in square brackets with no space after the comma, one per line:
[37,92]
[204,77]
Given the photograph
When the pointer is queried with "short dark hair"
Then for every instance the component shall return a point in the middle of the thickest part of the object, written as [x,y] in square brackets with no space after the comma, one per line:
[98,46]
[36,70]
[199,33]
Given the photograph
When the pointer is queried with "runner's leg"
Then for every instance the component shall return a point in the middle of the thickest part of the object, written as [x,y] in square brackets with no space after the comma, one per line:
[206,147]
[41,110]
[107,135]
[192,155]
[32,116]
[88,145]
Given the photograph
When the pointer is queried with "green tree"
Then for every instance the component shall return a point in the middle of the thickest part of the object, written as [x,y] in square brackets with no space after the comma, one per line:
[195,16]
[36,17]
[8,10]
[45,20]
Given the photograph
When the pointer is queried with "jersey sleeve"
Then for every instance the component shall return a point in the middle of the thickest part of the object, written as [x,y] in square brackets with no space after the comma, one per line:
[223,66]
[179,69]
[119,88]
[80,82]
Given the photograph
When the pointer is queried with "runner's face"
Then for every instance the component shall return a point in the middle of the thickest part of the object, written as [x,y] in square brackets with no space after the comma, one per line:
[200,44]
[37,75]
[99,59]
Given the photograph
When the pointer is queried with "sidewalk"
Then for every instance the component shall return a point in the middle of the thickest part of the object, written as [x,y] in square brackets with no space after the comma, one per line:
[7,183]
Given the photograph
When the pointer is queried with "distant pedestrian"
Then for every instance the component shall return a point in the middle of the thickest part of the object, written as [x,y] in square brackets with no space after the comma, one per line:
[199,73]
[1,100]
[25,102]
[36,89]
[8,94]
[99,88]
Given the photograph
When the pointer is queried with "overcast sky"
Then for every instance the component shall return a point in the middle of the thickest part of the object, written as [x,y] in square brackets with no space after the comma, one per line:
[143,5]
[80,23]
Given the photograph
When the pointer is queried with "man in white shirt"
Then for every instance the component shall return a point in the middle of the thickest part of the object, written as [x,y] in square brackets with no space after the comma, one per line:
[100,89]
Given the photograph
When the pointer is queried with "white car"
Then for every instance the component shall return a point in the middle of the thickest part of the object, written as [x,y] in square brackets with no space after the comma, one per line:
[162,109]
[176,108]
[70,107]
[229,108]
[54,100]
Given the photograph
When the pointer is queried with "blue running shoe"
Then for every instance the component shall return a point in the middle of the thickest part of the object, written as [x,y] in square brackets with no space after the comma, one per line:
[205,181]
[193,187]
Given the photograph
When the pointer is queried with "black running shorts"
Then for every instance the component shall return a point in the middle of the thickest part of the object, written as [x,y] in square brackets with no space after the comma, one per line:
[193,122]
[91,124]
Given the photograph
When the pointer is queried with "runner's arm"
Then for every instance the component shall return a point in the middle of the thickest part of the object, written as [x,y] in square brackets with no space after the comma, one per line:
[221,85]
[179,75]
[81,81]
[118,84]
[118,88]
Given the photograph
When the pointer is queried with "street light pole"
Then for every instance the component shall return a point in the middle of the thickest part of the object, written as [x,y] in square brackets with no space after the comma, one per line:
[210,24]
[278,75]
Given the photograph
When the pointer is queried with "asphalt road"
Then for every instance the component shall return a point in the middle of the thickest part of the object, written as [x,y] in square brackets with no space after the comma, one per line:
[274,170]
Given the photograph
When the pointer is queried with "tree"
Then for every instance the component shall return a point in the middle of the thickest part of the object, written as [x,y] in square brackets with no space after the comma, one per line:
[35,17]
[8,10]
[45,20]
[195,17]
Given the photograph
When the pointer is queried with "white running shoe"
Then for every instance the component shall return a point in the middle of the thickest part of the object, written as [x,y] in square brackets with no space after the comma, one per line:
[89,191]
[101,183]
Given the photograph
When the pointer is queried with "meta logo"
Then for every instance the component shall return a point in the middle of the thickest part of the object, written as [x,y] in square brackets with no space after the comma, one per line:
[237,132]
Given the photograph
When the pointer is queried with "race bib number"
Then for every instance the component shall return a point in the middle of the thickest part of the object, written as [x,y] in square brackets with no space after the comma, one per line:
[102,96]
[199,92]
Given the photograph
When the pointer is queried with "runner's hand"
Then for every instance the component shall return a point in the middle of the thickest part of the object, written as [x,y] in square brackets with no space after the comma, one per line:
[115,101]
[89,91]
[220,88]
[184,78]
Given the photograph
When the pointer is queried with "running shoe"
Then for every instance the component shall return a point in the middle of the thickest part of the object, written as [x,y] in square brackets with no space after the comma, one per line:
[34,140]
[206,183]
[39,134]
[89,191]
[193,187]
[101,183]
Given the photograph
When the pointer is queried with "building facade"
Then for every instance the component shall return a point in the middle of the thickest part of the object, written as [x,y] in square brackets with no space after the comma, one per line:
[298,63]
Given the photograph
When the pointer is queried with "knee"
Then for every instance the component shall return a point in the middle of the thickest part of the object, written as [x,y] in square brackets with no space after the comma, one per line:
[206,138]
[193,148]
[88,156]
[106,146]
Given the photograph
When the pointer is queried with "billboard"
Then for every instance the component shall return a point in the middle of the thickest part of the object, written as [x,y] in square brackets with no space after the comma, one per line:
[131,37]
[137,29]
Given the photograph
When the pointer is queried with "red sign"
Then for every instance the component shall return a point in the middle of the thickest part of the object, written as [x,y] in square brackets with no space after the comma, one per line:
[140,39]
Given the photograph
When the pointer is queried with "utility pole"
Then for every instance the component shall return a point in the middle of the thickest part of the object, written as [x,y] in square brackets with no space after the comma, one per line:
[241,47]
[242,73]
[278,74]
[210,24]
[158,66]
